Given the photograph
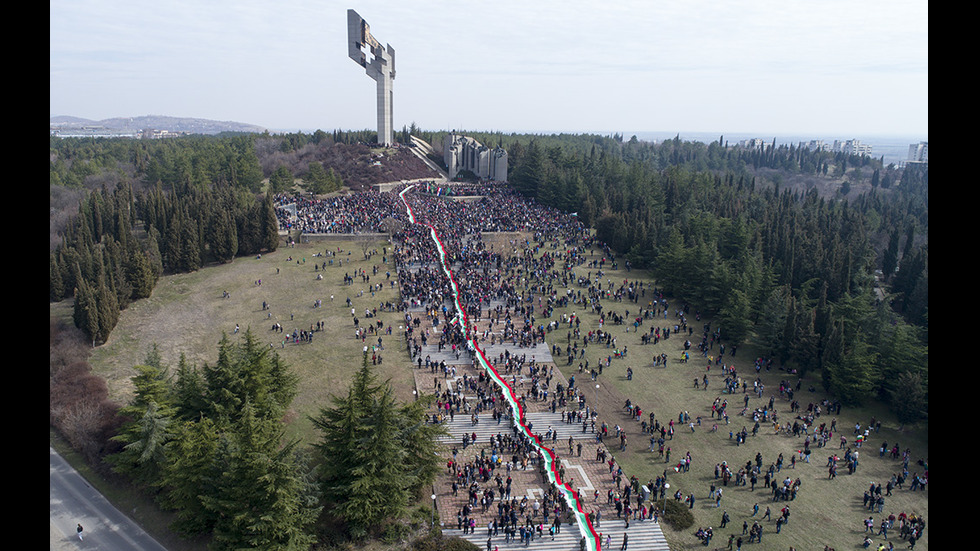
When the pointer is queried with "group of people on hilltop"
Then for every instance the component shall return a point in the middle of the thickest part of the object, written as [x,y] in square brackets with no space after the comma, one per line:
[352,213]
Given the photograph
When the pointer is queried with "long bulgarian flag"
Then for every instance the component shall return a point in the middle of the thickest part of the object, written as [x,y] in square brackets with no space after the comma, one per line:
[570,494]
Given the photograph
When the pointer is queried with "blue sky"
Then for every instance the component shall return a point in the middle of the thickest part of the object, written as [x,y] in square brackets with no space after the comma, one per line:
[822,68]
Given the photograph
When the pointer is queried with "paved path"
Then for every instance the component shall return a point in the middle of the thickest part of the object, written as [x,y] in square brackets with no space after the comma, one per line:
[74,501]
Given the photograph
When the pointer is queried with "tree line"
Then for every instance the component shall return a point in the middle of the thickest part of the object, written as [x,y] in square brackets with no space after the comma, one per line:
[189,203]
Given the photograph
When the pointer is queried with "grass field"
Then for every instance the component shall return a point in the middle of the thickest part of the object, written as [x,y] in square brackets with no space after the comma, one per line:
[187,315]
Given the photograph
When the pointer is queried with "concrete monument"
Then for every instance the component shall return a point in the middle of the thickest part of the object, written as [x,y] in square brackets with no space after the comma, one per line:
[381,68]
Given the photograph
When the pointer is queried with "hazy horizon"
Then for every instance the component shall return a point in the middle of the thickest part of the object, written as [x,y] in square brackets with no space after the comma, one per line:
[767,67]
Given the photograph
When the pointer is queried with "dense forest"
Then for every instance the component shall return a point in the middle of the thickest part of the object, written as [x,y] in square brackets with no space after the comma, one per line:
[166,206]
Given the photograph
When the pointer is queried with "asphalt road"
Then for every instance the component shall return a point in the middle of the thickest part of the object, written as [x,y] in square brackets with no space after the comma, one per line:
[74,501]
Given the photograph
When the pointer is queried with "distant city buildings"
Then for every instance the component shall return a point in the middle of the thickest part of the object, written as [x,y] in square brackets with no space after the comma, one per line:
[918,153]
[851,147]
[464,153]
[753,143]
[847,147]
[95,131]
[817,145]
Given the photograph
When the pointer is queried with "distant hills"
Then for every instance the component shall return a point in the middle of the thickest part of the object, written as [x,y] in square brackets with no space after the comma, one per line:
[121,126]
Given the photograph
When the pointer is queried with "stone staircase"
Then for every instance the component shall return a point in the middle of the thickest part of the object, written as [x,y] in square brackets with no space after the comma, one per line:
[643,536]
[539,422]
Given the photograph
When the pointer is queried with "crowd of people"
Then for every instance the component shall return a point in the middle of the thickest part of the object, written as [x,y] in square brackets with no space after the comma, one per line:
[512,290]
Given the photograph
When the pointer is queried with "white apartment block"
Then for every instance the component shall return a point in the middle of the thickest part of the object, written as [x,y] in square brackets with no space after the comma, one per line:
[852,147]
[753,143]
[919,152]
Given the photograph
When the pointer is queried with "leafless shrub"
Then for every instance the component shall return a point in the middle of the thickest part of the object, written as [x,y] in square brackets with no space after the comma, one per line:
[67,345]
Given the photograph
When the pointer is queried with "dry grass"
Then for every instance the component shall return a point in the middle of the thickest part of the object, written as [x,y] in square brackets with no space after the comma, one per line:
[186,315]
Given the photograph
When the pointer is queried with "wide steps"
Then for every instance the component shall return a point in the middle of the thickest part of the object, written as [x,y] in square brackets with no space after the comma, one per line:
[487,427]
[645,536]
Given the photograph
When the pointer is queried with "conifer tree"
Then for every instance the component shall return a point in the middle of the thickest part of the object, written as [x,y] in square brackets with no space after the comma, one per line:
[772,325]
[852,378]
[420,439]
[188,391]
[259,501]
[734,316]
[909,395]
[192,470]
[85,313]
[269,224]
[172,246]
[153,254]
[281,180]
[379,484]
[316,179]
[56,285]
[142,457]
[342,429]
[139,274]
[376,454]
[190,245]
[890,258]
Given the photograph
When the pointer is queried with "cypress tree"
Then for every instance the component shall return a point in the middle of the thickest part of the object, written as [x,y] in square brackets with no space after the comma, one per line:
[269,224]
[890,258]
[56,288]
[190,245]
[153,255]
[108,309]
[139,274]
[85,313]
[172,247]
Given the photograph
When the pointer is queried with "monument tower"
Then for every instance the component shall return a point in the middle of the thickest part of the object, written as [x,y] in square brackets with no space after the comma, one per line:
[381,69]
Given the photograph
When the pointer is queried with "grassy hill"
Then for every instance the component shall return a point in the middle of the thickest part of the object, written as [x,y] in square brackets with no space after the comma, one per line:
[187,315]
